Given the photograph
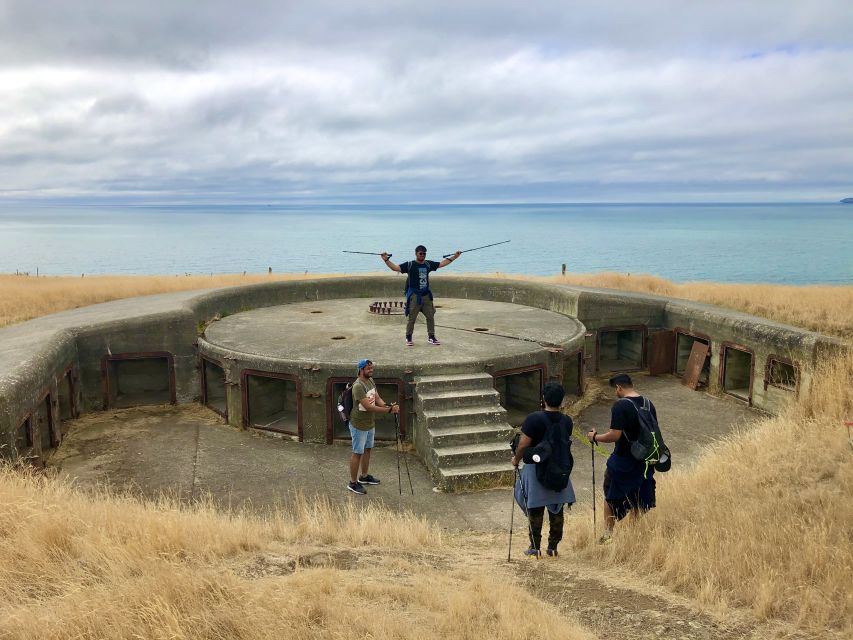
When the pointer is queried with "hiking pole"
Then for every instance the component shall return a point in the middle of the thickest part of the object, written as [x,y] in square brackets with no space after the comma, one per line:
[592,452]
[511,516]
[405,458]
[371,253]
[397,442]
[485,246]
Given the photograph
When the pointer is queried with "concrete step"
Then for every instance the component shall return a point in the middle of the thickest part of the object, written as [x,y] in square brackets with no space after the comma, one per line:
[458,381]
[479,476]
[458,398]
[465,416]
[470,434]
[467,455]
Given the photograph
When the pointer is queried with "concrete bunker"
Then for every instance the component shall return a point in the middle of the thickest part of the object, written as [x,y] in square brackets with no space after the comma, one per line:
[736,371]
[621,348]
[271,402]
[213,391]
[390,390]
[684,342]
[134,379]
[520,391]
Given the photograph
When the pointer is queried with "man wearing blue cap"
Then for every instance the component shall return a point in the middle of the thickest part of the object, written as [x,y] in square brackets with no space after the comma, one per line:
[362,426]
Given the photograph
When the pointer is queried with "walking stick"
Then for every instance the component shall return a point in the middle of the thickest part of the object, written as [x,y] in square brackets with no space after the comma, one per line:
[485,246]
[511,516]
[405,459]
[366,253]
[592,451]
[397,442]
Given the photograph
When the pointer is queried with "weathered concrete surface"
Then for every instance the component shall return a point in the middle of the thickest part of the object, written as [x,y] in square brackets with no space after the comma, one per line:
[189,451]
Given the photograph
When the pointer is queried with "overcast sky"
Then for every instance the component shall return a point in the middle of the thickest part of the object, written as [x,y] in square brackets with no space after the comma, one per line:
[479,101]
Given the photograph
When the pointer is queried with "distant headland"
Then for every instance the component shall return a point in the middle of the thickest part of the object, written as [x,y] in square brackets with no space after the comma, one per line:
[846,201]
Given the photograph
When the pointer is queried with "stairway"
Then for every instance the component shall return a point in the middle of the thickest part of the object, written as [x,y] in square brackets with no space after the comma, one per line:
[461,431]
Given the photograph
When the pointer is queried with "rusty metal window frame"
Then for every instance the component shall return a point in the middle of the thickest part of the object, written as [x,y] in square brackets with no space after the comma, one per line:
[768,370]
[202,360]
[137,355]
[332,411]
[244,397]
[691,334]
[724,347]
[25,423]
[69,373]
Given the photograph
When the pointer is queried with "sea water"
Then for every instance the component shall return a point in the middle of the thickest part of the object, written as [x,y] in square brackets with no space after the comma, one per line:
[776,243]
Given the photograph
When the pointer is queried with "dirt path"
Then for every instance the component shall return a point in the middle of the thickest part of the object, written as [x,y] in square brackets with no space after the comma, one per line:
[616,605]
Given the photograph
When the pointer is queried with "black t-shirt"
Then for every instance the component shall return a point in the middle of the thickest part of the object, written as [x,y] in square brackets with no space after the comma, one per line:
[418,273]
[624,418]
[536,424]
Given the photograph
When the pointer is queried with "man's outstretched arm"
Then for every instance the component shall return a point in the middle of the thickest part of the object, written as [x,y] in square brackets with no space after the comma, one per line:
[387,260]
[447,261]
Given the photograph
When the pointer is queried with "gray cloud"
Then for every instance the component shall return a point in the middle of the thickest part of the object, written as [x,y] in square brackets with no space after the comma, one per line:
[403,102]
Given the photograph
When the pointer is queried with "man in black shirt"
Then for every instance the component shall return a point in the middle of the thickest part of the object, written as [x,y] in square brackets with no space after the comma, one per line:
[629,486]
[418,294]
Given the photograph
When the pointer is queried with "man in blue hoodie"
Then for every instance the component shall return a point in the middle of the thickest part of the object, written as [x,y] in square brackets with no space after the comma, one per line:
[418,294]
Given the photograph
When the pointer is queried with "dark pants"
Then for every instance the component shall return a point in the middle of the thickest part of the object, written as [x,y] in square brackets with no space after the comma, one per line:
[426,308]
[555,527]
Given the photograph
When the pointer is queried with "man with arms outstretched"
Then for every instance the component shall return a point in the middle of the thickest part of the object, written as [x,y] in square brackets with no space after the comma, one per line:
[418,294]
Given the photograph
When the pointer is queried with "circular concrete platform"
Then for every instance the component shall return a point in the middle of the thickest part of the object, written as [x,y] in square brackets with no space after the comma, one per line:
[340,332]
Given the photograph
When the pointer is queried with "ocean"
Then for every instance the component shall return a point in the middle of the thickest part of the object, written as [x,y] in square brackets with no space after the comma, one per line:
[775,243]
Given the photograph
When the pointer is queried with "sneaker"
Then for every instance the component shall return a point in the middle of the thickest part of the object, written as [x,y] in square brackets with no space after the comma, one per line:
[433,340]
[551,553]
[368,479]
[533,553]
[356,487]
[409,342]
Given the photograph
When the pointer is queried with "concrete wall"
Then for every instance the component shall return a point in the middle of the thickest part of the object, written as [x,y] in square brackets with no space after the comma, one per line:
[35,355]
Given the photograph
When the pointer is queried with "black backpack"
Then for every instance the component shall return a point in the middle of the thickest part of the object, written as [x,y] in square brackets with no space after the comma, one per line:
[649,446]
[345,403]
[555,454]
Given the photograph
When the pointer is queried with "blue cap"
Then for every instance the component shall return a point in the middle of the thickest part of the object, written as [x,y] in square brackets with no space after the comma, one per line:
[363,363]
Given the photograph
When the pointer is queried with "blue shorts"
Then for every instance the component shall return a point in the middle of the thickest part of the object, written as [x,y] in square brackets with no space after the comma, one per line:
[361,440]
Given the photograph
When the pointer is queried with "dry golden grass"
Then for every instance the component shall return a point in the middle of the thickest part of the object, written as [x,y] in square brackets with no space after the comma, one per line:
[764,518]
[25,297]
[75,565]
[827,309]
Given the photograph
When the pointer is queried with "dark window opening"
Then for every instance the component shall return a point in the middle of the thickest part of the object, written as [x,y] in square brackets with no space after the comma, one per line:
[385,424]
[620,350]
[214,387]
[520,394]
[683,347]
[139,381]
[66,398]
[737,372]
[24,437]
[572,376]
[44,424]
[272,404]
[783,375]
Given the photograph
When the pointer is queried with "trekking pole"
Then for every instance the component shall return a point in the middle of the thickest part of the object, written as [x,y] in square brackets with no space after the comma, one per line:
[511,517]
[405,458]
[485,246]
[592,452]
[371,253]
[397,442]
